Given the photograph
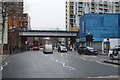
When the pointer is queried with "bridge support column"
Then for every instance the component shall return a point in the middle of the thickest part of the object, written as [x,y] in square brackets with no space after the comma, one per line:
[22,43]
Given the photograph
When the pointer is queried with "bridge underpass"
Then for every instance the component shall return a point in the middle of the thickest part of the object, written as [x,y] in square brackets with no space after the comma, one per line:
[54,36]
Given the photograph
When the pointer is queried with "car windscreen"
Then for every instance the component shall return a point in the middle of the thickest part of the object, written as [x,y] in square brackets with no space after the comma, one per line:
[35,43]
[90,48]
[117,49]
[62,47]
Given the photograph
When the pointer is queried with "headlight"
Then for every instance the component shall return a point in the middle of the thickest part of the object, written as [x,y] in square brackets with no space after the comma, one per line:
[92,50]
[61,49]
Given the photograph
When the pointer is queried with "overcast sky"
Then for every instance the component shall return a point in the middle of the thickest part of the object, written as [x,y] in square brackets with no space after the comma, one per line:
[46,13]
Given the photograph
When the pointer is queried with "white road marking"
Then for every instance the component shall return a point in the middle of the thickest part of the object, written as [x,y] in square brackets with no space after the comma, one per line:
[83,58]
[1,68]
[44,55]
[107,64]
[63,63]
[52,58]
[109,76]
[99,62]
[56,60]
[70,68]
[115,65]
[94,56]
[5,64]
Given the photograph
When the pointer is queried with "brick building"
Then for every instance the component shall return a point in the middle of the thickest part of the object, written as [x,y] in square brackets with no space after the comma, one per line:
[19,21]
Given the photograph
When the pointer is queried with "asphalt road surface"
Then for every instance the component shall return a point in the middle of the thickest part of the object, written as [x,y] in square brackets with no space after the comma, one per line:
[35,64]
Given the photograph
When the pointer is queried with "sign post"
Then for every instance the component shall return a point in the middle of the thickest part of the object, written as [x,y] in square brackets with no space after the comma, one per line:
[89,39]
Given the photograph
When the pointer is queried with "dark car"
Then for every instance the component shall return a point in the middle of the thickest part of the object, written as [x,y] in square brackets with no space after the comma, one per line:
[87,50]
[62,49]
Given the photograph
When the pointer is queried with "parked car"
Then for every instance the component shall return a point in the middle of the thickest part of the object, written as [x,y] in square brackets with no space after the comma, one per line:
[114,53]
[62,49]
[48,49]
[87,50]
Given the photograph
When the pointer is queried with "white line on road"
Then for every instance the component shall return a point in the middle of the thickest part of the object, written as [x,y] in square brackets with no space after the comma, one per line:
[83,58]
[5,64]
[1,68]
[63,63]
[56,60]
[99,62]
[115,65]
[44,55]
[109,76]
[107,64]
[59,62]
[70,68]
[52,58]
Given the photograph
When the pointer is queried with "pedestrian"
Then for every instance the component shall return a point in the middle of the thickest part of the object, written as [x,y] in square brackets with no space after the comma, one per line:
[71,47]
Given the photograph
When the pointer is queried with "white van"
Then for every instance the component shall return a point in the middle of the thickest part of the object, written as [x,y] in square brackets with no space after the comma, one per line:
[48,49]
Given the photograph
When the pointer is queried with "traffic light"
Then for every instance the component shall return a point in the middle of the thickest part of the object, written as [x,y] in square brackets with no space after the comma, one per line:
[89,38]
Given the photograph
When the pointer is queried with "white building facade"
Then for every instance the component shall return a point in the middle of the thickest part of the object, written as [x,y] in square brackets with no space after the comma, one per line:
[77,8]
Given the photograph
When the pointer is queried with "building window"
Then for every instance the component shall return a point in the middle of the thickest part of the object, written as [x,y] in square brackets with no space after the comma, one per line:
[20,17]
[24,17]
[14,17]
[19,23]
[14,21]
[71,16]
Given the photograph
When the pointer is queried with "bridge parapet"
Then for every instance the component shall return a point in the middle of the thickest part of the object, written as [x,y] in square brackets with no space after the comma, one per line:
[47,33]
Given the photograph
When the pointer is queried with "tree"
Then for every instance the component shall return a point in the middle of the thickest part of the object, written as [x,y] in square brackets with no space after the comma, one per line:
[8,8]
[4,13]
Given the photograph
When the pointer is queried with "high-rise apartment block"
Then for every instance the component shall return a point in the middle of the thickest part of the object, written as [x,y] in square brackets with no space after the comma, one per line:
[77,8]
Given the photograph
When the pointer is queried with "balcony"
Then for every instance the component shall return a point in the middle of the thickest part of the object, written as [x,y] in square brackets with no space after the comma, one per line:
[80,9]
[92,10]
[101,7]
[105,7]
